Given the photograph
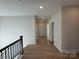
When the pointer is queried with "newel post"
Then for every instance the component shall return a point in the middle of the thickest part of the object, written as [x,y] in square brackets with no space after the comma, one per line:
[21,37]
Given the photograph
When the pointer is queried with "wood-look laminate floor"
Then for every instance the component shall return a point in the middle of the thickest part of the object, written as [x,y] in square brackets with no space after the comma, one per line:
[43,50]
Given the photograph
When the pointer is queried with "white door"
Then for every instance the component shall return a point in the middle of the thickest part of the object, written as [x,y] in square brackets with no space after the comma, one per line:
[42,29]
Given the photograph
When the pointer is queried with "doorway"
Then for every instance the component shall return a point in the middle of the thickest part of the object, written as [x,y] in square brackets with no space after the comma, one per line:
[52,32]
[42,30]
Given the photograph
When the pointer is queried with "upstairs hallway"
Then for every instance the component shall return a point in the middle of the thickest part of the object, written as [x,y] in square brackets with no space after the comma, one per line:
[44,50]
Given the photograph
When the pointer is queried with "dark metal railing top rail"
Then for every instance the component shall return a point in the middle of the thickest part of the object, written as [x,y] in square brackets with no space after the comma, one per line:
[12,50]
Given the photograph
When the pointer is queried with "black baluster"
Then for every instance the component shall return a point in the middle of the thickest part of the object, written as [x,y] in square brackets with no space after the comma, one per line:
[21,37]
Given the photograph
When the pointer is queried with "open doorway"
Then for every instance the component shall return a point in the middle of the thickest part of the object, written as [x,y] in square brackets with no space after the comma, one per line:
[41,27]
[52,32]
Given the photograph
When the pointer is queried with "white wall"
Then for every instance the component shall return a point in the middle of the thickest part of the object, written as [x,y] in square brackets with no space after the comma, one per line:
[0,32]
[66,29]
[15,7]
[14,26]
[56,19]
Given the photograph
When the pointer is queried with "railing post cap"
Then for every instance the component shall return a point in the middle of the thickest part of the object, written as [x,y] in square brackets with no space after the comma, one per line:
[21,36]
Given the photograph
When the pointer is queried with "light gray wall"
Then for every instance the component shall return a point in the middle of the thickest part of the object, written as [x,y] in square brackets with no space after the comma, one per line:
[0,32]
[71,28]
[57,20]
[14,26]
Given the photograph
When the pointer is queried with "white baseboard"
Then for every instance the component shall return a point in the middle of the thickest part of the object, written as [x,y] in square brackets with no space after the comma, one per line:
[70,53]
[59,49]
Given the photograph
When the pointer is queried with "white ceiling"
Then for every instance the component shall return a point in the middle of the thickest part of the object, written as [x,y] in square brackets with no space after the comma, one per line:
[32,7]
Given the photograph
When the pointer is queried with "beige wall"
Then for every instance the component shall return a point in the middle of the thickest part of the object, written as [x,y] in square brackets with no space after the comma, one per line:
[70,28]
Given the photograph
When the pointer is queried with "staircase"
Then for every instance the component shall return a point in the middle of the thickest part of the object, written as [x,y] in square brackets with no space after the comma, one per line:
[13,50]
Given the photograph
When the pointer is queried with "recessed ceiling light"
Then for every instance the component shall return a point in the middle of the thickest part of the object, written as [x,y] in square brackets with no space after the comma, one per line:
[41,7]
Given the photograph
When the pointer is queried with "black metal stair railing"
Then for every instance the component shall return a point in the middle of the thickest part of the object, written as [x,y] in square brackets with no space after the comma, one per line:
[13,50]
